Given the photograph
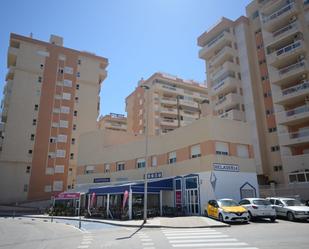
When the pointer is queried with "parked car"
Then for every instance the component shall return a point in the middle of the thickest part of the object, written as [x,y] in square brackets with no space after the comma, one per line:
[226,210]
[259,208]
[290,208]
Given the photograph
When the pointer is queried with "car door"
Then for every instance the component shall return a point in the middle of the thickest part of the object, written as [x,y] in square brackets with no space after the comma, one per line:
[279,208]
[210,208]
[216,209]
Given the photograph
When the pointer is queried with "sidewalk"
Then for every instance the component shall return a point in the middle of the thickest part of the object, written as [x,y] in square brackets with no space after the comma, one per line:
[157,222]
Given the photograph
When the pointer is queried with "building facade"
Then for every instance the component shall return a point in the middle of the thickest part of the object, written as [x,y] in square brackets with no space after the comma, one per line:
[209,158]
[169,103]
[51,96]
[113,121]
[258,65]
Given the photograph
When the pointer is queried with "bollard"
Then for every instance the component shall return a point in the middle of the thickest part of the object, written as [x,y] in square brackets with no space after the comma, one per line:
[80,222]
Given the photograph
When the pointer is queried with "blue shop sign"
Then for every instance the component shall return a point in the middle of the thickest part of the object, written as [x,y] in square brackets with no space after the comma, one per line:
[98,180]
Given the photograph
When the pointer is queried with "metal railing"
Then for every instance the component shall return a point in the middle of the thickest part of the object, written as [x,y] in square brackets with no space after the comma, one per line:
[291,67]
[278,12]
[295,88]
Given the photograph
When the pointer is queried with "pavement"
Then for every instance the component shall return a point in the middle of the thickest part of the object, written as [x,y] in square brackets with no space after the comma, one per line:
[157,222]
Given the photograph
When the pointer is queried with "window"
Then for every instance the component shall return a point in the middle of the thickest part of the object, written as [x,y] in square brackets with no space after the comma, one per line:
[73,141]
[30,152]
[65,109]
[141,163]
[195,151]
[47,188]
[36,107]
[60,153]
[51,155]
[275,148]
[90,169]
[28,169]
[242,151]
[75,113]
[79,62]
[62,138]
[277,168]
[59,169]
[120,166]
[32,137]
[58,186]
[60,70]
[172,157]
[52,140]
[56,110]
[63,124]
[40,79]
[72,156]
[222,148]
[255,14]
[67,83]
[78,74]
[25,187]
[107,168]
[68,70]
[66,96]
[77,86]
[74,127]
[153,161]
[273,129]
[34,122]
[76,99]
[41,66]
[299,177]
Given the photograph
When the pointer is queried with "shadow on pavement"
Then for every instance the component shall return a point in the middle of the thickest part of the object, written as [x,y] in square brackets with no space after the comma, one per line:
[130,236]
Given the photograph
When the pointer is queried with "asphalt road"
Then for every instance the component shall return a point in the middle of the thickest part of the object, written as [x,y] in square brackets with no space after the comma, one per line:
[37,233]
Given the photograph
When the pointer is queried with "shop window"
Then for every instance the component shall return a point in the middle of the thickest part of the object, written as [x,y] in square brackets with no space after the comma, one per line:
[191,182]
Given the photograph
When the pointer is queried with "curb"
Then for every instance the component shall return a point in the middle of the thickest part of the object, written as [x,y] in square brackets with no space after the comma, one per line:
[124,225]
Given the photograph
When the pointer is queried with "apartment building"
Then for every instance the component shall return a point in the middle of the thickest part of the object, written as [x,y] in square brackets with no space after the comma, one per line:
[168,101]
[51,96]
[209,158]
[257,66]
[280,31]
[113,121]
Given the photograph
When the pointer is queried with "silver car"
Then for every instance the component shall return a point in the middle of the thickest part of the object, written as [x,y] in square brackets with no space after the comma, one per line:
[259,208]
[290,208]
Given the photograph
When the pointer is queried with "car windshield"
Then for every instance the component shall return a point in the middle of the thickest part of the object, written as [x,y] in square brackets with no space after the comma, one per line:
[227,203]
[293,203]
[261,202]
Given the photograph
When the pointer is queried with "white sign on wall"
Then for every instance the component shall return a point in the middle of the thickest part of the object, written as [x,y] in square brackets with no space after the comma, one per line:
[226,167]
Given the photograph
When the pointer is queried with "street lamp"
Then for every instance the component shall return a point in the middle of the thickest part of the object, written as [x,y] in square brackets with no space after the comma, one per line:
[146,88]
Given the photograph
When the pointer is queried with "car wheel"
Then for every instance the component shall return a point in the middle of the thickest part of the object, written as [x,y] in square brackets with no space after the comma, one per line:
[290,216]
[221,218]
[273,219]
[251,218]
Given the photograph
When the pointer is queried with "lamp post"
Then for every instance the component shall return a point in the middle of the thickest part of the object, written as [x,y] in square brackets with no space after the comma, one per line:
[146,88]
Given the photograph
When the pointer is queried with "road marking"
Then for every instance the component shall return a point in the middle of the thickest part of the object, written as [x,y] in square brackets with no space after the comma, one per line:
[145,240]
[148,244]
[86,242]
[181,234]
[198,237]
[149,248]
[210,244]
[202,240]
[85,246]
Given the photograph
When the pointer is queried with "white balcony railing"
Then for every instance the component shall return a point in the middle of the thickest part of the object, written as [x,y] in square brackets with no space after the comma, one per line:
[295,89]
[284,29]
[291,67]
[295,137]
[288,48]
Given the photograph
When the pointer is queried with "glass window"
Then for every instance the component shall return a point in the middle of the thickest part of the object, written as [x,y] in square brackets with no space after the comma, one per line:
[120,166]
[172,157]
[107,168]
[292,178]
[222,148]
[301,177]
[141,163]
[191,182]
[154,161]
[178,184]
[242,151]
[195,151]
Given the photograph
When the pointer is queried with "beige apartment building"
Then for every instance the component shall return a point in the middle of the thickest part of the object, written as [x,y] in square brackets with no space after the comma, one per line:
[257,66]
[51,96]
[170,103]
[209,158]
[113,121]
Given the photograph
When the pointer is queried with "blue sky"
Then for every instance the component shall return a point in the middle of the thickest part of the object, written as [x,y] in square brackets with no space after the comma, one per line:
[139,37]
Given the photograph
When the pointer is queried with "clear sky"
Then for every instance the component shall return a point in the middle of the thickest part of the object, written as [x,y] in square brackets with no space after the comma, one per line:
[139,37]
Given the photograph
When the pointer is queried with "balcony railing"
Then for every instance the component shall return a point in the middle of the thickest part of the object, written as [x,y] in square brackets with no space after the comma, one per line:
[288,48]
[291,67]
[299,134]
[213,41]
[294,89]
[278,12]
[220,101]
[298,110]
[284,29]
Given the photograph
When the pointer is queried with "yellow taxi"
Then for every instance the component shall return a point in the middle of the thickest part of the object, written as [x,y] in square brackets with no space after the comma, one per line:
[226,210]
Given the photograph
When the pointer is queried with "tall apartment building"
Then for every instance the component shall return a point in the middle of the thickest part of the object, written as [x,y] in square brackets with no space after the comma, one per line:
[280,32]
[257,72]
[170,103]
[113,121]
[50,97]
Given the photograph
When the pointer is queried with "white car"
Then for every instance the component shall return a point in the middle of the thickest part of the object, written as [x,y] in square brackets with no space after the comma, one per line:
[259,208]
[290,208]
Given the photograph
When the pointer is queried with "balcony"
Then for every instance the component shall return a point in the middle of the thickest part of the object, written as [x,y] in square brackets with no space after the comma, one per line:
[295,138]
[227,66]
[227,84]
[294,116]
[193,115]
[169,122]
[284,54]
[233,115]
[292,94]
[296,162]
[224,54]
[12,56]
[285,74]
[185,122]
[281,15]
[115,126]
[222,39]
[188,103]
[168,101]
[171,111]
[228,101]
[281,33]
